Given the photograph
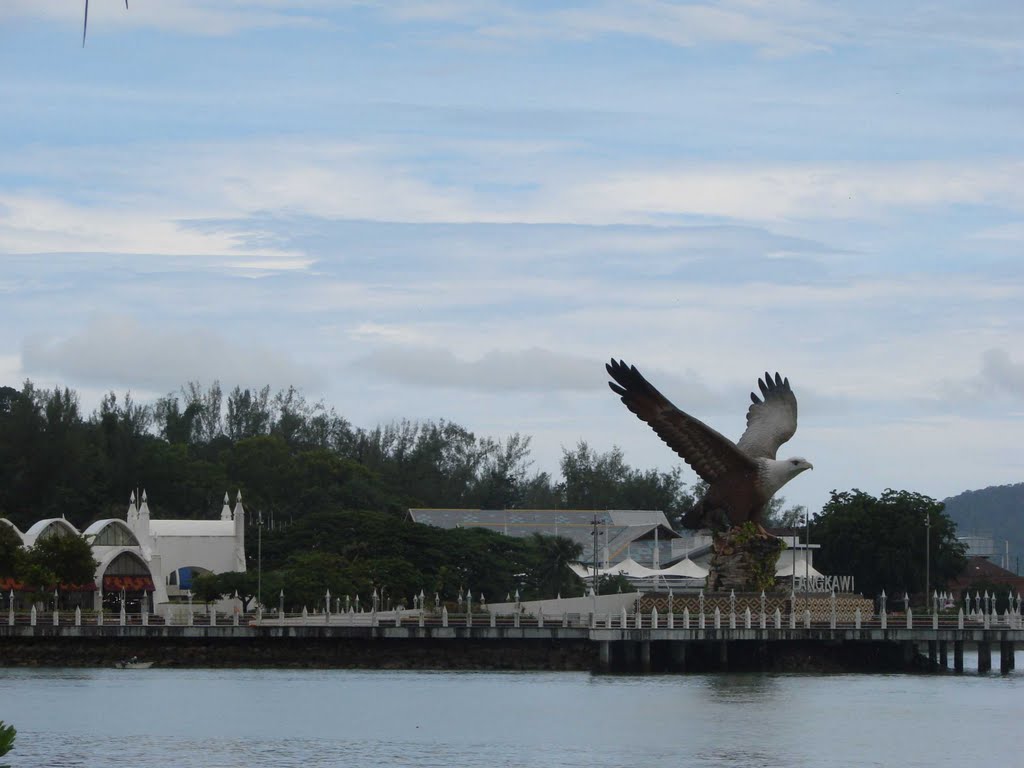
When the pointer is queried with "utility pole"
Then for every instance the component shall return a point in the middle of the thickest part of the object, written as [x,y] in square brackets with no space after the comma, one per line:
[927,558]
[259,561]
[807,558]
[595,586]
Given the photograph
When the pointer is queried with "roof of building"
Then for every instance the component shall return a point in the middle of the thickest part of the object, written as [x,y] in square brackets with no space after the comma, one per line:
[99,525]
[981,570]
[12,525]
[191,527]
[550,518]
[37,529]
[619,526]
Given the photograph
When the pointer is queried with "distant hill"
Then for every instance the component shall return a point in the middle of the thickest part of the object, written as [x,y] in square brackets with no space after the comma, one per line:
[998,510]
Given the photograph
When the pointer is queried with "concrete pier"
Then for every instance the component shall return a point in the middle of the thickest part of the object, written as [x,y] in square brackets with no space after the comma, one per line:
[576,642]
[677,653]
[1006,660]
[984,657]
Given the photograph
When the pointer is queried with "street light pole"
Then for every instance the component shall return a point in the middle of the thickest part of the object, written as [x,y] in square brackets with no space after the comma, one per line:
[927,557]
[794,540]
[259,561]
[807,558]
[595,586]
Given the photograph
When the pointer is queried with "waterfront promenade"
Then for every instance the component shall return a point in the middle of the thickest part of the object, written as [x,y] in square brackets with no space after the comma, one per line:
[631,642]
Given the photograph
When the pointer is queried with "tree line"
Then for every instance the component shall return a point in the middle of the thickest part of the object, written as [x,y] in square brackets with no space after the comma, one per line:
[53,564]
[289,456]
[337,495]
[332,498]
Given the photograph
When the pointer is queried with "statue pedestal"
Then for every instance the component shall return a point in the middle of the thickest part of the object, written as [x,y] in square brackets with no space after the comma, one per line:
[744,560]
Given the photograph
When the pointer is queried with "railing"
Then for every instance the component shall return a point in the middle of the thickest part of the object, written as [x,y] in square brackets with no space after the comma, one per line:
[685,620]
[647,620]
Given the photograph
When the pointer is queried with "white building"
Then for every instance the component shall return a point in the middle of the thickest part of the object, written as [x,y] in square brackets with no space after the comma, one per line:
[159,558]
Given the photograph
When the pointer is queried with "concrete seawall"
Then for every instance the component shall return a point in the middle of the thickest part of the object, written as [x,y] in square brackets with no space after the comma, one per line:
[512,648]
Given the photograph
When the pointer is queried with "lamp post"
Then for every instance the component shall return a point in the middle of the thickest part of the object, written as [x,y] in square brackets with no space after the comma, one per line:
[807,558]
[794,539]
[594,589]
[927,556]
[259,559]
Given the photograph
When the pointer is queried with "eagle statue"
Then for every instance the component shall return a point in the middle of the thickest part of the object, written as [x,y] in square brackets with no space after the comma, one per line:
[741,477]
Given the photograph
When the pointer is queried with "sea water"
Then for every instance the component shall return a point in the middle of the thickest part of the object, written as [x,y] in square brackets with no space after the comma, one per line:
[193,717]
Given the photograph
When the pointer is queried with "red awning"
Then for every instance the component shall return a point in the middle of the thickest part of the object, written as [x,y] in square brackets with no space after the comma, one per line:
[128,584]
[88,587]
[8,583]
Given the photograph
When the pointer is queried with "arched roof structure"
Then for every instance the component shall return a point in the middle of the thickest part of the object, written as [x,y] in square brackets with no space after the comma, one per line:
[14,527]
[133,573]
[54,526]
[111,532]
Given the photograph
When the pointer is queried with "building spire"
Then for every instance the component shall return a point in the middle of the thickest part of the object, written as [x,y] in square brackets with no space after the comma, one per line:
[225,512]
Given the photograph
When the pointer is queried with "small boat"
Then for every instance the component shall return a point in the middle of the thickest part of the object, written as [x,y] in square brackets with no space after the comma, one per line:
[133,664]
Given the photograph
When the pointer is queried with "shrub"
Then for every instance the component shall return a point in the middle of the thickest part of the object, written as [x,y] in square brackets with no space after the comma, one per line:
[7,734]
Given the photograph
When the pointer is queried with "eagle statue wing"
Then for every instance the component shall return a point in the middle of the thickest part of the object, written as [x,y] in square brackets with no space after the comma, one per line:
[771,421]
[711,455]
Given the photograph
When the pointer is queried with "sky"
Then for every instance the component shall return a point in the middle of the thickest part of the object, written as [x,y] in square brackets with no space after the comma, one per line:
[459,210]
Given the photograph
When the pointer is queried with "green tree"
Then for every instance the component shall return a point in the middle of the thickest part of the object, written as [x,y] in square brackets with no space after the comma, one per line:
[39,579]
[207,588]
[248,413]
[243,583]
[882,541]
[780,516]
[551,574]
[592,480]
[308,575]
[12,552]
[7,734]
[612,584]
[66,560]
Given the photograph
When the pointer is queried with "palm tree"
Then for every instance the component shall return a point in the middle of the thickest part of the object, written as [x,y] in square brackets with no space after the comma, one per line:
[552,575]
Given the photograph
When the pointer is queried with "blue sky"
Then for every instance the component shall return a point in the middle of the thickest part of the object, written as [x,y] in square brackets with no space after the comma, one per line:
[460,210]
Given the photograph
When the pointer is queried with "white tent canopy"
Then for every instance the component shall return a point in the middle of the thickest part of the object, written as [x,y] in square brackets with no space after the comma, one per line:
[631,569]
[685,568]
[581,570]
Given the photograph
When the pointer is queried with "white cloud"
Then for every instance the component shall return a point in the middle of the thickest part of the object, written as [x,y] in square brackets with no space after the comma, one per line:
[195,17]
[10,371]
[782,28]
[1003,374]
[118,349]
[999,378]
[537,370]
[34,223]
[379,182]
[799,191]
[1011,231]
